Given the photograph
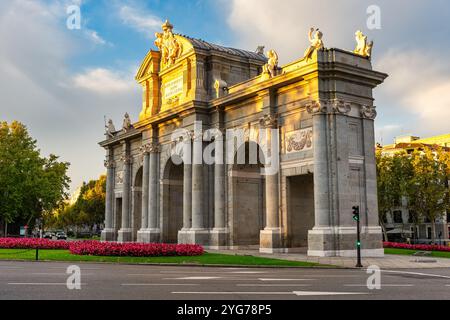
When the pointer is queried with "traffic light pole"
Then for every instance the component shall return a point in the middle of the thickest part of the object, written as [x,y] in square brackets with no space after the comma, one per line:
[358,244]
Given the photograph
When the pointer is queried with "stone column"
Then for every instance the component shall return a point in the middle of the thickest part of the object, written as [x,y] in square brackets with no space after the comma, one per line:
[271,235]
[109,234]
[187,197]
[153,227]
[199,234]
[125,234]
[320,239]
[184,235]
[143,233]
[372,234]
[219,235]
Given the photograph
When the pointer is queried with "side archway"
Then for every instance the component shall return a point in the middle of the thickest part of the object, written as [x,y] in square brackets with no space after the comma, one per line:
[172,200]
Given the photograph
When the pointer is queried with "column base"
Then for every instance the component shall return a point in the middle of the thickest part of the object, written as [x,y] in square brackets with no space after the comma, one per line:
[149,236]
[109,235]
[194,236]
[341,242]
[125,235]
[270,241]
[219,239]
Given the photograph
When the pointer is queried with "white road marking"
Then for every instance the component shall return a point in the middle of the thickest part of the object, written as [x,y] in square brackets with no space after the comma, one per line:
[239,293]
[58,274]
[317,293]
[188,272]
[417,274]
[273,285]
[382,285]
[248,272]
[197,278]
[297,293]
[273,279]
[158,285]
[38,284]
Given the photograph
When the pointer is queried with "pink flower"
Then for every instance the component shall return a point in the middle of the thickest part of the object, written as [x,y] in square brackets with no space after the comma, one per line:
[96,248]
[33,243]
[418,247]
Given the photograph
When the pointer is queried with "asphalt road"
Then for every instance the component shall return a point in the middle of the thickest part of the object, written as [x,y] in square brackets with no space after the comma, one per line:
[42,281]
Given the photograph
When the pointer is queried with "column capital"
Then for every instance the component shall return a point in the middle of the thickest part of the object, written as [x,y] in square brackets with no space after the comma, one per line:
[340,106]
[150,148]
[369,112]
[110,164]
[126,159]
[196,136]
[317,107]
[269,121]
[334,106]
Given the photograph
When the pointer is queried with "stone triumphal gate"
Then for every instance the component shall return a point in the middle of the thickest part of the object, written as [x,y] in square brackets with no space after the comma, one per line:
[322,107]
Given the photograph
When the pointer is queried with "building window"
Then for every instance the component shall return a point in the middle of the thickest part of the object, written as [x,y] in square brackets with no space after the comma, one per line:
[398,217]
[429,233]
[412,217]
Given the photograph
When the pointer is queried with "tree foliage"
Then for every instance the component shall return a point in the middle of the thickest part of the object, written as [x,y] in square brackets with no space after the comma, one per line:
[88,209]
[421,178]
[30,185]
[394,178]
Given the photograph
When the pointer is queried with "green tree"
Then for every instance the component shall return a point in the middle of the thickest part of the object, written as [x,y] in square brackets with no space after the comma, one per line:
[88,209]
[30,185]
[429,194]
[394,176]
[91,201]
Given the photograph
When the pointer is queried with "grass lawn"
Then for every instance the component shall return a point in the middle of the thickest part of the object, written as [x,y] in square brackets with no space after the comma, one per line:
[405,252]
[206,259]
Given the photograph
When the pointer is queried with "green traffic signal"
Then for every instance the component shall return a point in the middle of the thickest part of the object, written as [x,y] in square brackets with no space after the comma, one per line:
[356,213]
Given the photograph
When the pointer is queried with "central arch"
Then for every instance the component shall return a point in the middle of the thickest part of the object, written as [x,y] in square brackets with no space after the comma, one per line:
[172,201]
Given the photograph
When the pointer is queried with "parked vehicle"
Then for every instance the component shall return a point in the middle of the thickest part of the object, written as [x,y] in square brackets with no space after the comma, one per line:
[61,236]
[49,235]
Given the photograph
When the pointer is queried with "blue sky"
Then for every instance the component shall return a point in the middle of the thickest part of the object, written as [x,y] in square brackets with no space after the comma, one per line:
[61,83]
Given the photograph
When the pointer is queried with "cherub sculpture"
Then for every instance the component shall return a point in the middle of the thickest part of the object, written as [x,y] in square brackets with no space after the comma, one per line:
[127,126]
[363,48]
[110,129]
[316,42]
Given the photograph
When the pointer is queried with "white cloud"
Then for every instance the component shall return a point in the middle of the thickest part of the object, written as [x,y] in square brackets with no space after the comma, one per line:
[103,81]
[419,83]
[416,96]
[145,23]
[96,38]
[63,111]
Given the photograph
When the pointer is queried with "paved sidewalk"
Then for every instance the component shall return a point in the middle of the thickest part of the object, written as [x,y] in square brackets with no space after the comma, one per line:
[388,262]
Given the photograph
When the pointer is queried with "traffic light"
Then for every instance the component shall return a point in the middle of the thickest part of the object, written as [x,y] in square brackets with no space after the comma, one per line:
[356,213]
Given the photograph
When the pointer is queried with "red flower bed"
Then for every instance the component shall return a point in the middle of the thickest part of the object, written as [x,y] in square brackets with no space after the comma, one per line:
[33,243]
[112,249]
[97,248]
[418,247]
